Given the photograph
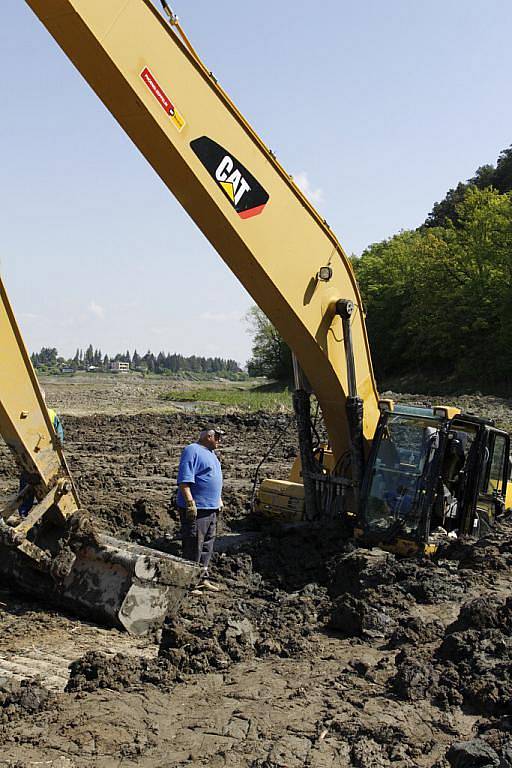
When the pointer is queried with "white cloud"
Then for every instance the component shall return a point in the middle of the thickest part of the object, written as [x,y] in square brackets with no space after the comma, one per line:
[96,309]
[302,181]
[29,316]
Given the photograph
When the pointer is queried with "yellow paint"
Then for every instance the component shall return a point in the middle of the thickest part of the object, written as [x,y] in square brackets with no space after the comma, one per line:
[448,411]
[228,189]
[281,500]
[508,496]
[25,423]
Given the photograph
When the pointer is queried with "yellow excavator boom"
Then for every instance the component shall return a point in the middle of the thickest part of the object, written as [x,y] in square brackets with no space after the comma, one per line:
[232,186]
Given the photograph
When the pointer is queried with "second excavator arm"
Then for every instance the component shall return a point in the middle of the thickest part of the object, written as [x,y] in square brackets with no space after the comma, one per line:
[54,552]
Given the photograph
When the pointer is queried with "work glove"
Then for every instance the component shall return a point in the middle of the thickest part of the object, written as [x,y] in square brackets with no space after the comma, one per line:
[191,511]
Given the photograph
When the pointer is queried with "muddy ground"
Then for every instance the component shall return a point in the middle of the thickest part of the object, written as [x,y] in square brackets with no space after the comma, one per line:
[314,654]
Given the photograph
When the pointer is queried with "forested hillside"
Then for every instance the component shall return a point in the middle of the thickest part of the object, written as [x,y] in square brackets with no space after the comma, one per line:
[439,298]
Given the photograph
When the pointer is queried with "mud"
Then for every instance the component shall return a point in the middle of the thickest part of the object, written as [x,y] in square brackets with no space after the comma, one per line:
[314,653]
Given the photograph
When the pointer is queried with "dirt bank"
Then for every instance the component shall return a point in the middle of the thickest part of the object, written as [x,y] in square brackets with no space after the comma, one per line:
[314,654]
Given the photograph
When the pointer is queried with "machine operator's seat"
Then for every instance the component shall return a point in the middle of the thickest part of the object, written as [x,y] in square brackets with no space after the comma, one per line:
[453,461]
[389,455]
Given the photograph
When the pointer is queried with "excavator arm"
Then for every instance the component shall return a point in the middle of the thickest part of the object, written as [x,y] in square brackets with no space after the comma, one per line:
[54,552]
[230,183]
[28,431]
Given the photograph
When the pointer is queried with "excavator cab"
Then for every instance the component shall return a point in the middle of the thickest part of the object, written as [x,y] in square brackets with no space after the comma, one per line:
[432,474]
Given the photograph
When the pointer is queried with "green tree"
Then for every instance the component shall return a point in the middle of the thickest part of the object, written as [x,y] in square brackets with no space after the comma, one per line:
[439,299]
[498,177]
[469,289]
[48,356]
[386,273]
[89,355]
[271,356]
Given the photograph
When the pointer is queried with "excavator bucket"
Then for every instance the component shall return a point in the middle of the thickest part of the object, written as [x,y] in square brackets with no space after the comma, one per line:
[113,582]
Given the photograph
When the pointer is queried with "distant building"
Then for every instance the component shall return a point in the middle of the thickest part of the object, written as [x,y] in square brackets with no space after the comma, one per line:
[119,367]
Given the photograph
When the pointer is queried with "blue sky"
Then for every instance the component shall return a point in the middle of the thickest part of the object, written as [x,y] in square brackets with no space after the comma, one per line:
[378,107]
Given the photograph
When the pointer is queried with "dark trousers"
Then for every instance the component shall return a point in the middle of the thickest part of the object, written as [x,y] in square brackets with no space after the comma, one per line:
[28,502]
[198,536]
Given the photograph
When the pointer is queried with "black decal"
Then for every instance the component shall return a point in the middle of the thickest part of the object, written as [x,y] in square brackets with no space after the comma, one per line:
[246,195]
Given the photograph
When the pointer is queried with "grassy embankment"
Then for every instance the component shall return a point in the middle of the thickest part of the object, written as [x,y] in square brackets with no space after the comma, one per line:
[245,399]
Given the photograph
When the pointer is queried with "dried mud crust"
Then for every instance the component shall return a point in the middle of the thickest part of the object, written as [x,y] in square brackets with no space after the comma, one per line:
[315,653]
[270,672]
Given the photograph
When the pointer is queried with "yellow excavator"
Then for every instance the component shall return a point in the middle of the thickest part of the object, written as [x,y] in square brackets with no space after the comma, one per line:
[405,477]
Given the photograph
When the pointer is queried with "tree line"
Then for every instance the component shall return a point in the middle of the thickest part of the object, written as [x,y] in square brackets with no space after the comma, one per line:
[438,299]
[92,359]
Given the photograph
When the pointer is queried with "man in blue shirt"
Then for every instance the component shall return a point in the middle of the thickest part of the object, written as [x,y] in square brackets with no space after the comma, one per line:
[200,499]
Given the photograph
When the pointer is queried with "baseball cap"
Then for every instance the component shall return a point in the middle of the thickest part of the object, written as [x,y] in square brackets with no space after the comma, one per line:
[212,428]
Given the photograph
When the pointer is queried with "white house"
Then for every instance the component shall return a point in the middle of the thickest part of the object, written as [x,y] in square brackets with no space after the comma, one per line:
[119,367]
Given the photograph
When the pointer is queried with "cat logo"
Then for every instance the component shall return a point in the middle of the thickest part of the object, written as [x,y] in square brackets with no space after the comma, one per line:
[245,194]
[231,180]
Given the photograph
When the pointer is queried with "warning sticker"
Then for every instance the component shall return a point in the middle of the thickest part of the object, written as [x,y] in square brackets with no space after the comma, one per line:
[164,100]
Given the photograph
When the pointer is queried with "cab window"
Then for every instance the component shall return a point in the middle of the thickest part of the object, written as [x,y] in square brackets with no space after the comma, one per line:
[497,461]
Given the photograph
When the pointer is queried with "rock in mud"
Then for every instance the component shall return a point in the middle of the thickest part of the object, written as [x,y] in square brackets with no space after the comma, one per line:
[415,678]
[383,745]
[358,571]
[98,671]
[479,646]
[490,553]
[430,583]
[472,754]
[482,613]
[357,618]
[363,572]
[18,699]
[412,630]
[220,631]
[472,665]
[291,558]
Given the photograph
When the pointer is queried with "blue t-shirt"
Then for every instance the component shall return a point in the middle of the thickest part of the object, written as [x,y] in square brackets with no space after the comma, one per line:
[200,468]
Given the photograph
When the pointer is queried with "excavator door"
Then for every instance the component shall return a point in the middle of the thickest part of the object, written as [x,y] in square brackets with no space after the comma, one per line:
[493,480]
